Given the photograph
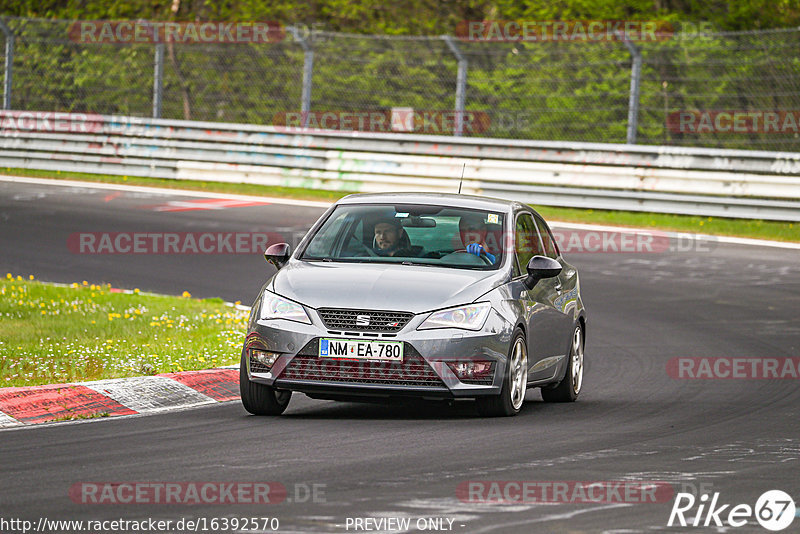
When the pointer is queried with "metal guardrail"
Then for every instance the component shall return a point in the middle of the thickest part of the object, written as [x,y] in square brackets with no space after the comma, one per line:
[696,181]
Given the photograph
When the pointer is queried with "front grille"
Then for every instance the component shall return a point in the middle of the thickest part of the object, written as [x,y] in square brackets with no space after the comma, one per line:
[486,380]
[379,321]
[413,371]
[257,367]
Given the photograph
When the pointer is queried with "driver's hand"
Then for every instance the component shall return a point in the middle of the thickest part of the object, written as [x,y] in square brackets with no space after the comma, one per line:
[477,249]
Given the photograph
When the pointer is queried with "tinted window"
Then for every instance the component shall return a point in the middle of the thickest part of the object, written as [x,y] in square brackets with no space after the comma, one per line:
[526,240]
[547,239]
[427,234]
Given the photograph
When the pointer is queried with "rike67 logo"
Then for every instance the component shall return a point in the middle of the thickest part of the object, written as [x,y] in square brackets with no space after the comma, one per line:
[774,510]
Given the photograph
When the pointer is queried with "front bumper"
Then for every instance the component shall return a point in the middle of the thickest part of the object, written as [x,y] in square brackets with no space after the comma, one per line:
[423,373]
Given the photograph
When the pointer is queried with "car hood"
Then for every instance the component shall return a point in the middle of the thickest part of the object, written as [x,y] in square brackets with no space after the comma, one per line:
[410,288]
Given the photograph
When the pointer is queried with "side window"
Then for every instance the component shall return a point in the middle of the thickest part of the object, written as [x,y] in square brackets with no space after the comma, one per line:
[526,240]
[550,248]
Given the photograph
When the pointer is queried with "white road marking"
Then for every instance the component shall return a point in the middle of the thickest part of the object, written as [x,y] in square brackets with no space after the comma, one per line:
[323,204]
[146,394]
[699,237]
[163,191]
[7,421]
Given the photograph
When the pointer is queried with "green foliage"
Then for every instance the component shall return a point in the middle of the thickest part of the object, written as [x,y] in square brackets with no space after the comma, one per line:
[419,17]
[574,91]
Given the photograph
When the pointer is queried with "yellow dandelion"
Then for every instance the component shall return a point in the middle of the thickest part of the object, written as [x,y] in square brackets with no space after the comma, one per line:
[85,283]
[30,277]
[186,294]
[135,289]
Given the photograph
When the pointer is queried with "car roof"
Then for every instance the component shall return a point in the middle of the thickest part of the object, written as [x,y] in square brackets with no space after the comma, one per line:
[442,199]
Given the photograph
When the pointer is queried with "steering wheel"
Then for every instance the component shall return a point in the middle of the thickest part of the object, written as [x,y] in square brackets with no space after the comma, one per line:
[482,256]
[365,248]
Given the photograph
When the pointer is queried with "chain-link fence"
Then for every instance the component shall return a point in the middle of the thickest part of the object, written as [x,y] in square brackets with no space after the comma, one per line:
[738,90]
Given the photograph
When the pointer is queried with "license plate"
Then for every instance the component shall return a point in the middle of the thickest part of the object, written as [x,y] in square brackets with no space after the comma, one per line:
[353,349]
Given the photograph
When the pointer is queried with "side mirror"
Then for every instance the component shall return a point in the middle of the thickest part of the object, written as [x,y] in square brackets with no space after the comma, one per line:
[278,254]
[540,267]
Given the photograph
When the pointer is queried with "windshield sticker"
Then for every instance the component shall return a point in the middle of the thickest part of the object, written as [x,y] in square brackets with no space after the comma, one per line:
[398,214]
[491,218]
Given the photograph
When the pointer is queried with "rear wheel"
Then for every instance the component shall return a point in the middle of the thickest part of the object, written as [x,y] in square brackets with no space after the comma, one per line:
[512,394]
[260,399]
[570,386]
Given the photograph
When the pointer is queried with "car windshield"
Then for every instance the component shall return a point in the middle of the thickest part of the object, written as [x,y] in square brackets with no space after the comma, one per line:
[405,233]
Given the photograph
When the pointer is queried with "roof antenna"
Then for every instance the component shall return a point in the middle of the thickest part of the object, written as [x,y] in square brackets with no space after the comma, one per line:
[462,178]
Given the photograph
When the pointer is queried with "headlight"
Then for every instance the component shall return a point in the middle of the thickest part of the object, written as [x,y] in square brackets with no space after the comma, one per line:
[275,307]
[470,317]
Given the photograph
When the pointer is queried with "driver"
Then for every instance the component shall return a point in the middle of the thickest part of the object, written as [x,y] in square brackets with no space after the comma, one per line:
[391,239]
[472,229]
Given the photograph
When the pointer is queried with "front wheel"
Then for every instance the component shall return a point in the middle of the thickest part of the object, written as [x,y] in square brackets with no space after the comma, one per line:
[570,386]
[512,394]
[260,399]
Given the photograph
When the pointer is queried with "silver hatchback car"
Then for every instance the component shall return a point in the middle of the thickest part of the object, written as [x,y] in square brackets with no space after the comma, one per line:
[435,296]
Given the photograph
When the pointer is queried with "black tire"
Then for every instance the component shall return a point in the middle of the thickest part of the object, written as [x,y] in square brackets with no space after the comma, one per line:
[508,402]
[259,399]
[570,386]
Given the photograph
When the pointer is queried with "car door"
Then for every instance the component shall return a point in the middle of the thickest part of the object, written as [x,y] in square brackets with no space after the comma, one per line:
[544,319]
[564,285]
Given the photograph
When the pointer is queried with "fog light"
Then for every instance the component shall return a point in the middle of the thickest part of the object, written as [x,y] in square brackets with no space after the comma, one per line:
[264,359]
[470,370]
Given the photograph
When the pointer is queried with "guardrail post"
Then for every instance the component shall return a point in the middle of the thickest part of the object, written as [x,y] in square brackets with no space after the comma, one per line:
[308,71]
[633,102]
[158,81]
[461,84]
[9,64]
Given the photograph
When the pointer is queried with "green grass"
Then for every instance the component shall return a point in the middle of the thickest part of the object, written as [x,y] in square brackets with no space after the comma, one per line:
[77,417]
[779,231]
[54,334]
[757,229]
[193,185]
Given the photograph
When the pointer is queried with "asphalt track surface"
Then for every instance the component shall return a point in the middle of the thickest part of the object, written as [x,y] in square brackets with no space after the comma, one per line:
[632,422]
